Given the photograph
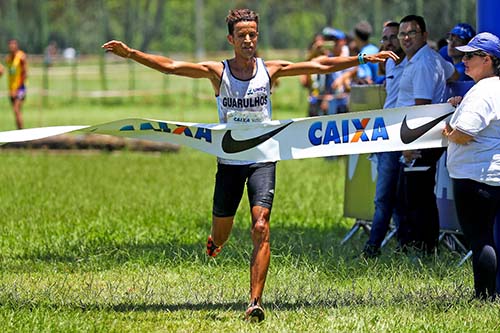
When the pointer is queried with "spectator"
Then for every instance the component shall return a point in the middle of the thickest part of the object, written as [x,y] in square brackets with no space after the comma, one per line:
[474,160]
[339,47]
[387,162]
[331,42]
[50,54]
[422,82]
[316,83]
[17,72]
[367,73]
[364,73]
[338,96]
[460,35]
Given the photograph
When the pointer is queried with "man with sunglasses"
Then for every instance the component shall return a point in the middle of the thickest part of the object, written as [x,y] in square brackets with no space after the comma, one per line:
[460,35]
[422,82]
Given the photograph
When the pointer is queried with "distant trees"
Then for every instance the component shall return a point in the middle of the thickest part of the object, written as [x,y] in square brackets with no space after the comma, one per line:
[170,25]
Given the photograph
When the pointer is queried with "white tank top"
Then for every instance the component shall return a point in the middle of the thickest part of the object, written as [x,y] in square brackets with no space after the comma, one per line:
[244,101]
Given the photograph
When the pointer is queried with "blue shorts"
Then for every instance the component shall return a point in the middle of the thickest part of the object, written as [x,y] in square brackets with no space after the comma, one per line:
[230,183]
[20,94]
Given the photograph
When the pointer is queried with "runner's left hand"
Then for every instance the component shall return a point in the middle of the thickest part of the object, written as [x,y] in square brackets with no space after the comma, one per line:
[381,56]
[118,48]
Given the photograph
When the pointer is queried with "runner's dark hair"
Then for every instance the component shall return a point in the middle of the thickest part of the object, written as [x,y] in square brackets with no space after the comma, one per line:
[239,15]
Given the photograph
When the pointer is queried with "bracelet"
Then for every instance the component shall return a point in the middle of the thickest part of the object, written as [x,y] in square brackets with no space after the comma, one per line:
[361,58]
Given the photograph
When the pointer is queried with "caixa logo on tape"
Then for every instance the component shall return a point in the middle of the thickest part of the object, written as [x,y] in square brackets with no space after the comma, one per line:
[200,134]
[323,134]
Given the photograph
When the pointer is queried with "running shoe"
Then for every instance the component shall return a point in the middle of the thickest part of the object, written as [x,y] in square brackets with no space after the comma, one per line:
[254,313]
[212,249]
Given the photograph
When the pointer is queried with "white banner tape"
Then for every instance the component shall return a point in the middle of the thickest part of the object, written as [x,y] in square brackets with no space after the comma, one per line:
[343,134]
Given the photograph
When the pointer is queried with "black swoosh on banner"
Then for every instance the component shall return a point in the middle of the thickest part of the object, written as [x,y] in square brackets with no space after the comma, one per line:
[232,146]
[408,135]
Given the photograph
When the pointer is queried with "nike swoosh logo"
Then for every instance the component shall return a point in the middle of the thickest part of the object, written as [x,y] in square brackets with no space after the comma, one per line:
[232,146]
[408,135]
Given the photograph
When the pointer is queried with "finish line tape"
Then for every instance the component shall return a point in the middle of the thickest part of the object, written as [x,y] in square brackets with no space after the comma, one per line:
[406,128]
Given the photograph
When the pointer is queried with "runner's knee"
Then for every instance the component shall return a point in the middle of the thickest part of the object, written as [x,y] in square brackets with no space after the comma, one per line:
[260,228]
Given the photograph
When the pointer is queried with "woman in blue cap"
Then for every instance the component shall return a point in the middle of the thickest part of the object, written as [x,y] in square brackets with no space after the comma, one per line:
[474,157]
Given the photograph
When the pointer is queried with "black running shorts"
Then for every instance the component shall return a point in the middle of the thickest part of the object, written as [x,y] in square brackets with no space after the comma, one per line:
[230,182]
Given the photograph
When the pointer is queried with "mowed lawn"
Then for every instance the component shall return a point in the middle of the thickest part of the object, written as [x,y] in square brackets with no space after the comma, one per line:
[114,242]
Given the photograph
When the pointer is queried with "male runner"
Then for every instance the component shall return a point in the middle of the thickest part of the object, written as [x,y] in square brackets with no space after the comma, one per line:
[17,72]
[242,86]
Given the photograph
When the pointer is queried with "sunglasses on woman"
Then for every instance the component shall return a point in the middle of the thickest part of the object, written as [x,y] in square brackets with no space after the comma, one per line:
[470,55]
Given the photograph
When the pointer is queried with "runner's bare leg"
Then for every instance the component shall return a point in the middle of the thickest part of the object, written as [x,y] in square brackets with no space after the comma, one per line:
[261,254]
[17,113]
[221,228]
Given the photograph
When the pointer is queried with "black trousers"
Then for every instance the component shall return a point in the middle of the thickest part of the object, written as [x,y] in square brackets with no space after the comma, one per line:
[477,205]
[416,203]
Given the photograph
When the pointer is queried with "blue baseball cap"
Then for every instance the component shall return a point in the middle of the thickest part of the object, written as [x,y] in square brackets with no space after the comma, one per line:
[463,31]
[484,41]
[329,32]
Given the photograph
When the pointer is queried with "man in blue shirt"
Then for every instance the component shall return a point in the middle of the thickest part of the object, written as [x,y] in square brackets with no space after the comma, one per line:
[367,73]
[422,82]
[460,35]
[387,162]
[364,73]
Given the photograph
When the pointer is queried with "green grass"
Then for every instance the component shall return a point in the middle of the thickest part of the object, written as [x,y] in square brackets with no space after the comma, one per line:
[158,96]
[181,107]
[114,242]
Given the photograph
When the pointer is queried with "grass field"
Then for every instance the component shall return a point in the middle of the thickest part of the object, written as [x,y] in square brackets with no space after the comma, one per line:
[114,242]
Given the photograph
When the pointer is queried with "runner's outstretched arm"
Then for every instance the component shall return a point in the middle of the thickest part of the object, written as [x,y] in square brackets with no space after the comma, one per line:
[209,70]
[323,64]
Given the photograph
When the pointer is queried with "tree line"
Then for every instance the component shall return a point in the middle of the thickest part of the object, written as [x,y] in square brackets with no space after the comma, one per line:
[196,26]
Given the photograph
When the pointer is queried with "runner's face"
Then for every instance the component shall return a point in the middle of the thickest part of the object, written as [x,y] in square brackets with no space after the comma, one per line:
[244,38]
[13,46]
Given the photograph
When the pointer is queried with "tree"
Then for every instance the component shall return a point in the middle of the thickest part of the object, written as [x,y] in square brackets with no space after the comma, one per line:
[170,25]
